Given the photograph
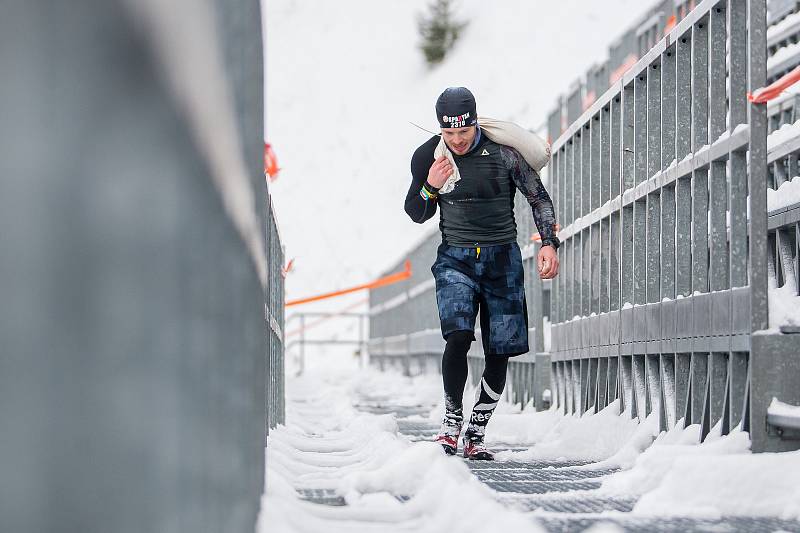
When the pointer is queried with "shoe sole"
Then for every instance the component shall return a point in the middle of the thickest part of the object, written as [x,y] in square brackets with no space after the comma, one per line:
[480,457]
[449,450]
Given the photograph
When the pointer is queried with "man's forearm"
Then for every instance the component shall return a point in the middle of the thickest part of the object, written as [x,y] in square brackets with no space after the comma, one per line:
[422,205]
[545,218]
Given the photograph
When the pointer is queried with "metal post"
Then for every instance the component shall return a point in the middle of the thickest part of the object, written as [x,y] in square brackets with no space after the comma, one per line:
[302,360]
[758,169]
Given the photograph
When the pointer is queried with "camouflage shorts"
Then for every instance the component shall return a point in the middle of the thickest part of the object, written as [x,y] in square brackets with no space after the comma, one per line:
[490,279]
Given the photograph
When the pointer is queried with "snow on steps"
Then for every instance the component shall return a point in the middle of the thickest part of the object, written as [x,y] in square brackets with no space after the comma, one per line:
[374,475]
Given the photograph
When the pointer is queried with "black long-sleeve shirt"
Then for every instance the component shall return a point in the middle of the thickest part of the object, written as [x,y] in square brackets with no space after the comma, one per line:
[480,210]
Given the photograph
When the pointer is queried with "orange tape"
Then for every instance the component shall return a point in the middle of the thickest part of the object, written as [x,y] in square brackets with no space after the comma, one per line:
[288,268]
[765,94]
[382,282]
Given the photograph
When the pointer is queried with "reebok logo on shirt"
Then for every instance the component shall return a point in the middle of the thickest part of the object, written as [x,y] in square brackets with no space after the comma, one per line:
[485,152]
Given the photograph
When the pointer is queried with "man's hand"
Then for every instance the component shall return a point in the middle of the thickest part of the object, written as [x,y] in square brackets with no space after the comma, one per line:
[439,172]
[547,262]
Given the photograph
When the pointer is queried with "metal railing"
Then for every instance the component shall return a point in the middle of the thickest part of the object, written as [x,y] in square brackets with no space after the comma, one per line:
[275,316]
[140,268]
[638,39]
[664,279]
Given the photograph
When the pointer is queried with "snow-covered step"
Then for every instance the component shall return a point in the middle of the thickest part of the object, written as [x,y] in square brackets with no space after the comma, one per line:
[356,456]
[565,523]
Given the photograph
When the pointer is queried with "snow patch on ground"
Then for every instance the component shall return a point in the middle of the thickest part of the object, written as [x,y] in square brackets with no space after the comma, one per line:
[678,475]
[728,484]
[592,437]
[328,444]
[523,428]
[650,467]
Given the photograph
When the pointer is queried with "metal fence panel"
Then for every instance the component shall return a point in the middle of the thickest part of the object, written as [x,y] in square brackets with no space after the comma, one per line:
[134,351]
[683,230]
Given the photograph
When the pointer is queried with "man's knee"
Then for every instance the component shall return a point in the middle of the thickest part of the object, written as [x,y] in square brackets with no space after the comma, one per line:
[459,341]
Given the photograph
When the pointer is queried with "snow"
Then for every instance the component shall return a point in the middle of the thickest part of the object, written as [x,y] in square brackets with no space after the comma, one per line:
[728,485]
[703,149]
[783,54]
[784,306]
[343,81]
[786,23]
[678,475]
[648,468]
[788,193]
[779,408]
[587,437]
[605,527]
[327,444]
[784,133]
[522,428]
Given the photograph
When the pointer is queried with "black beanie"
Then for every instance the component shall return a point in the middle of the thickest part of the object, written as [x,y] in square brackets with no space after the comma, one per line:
[455,108]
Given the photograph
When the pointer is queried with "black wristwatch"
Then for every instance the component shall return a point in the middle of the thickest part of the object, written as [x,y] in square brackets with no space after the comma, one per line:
[552,241]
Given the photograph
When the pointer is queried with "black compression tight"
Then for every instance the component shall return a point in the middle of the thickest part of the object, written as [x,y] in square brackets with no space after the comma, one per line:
[454,366]
[454,369]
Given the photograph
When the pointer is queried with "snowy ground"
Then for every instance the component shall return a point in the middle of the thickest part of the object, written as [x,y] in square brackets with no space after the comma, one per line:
[380,478]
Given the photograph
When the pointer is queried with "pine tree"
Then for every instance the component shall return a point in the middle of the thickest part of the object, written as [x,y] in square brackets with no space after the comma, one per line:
[439,30]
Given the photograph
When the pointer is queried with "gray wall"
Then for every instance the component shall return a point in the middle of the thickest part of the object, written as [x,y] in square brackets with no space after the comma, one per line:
[133,342]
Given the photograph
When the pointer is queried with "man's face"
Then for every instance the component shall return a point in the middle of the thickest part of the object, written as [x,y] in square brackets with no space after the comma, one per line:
[459,140]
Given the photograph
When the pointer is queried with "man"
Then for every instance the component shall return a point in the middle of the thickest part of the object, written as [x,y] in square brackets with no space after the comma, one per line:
[478,264]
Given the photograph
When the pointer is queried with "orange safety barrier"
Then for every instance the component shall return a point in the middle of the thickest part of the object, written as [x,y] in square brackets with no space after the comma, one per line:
[765,94]
[382,282]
